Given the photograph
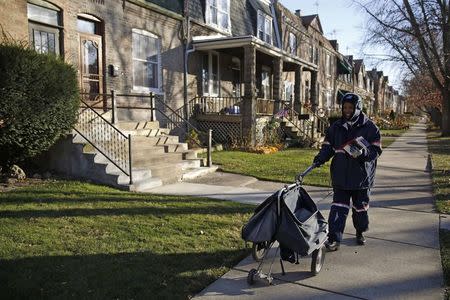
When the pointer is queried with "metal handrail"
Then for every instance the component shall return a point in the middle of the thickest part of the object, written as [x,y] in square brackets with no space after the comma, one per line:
[323,122]
[290,116]
[119,153]
[184,121]
[100,116]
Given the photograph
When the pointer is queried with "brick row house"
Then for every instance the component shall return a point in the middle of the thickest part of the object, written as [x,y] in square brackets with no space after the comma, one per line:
[221,64]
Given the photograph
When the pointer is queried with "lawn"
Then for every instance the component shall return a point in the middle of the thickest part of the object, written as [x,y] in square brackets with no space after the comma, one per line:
[439,147]
[66,239]
[393,132]
[281,166]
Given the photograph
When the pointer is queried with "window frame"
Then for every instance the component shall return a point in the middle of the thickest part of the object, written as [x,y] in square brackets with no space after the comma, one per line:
[293,44]
[268,70]
[210,80]
[144,89]
[328,64]
[288,87]
[49,28]
[263,20]
[218,9]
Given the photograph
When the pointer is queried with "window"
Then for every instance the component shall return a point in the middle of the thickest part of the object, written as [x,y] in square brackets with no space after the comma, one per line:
[329,99]
[44,25]
[314,54]
[264,27]
[210,74]
[266,83]
[146,61]
[218,13]
[328,64]
[288,91]
[236,69]
[292,43]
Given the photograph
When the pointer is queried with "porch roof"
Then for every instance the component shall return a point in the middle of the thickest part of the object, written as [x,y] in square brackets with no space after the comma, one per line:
[223,42]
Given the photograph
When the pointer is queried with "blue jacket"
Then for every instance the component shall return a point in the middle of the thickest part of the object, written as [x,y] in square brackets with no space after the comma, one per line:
[350,173]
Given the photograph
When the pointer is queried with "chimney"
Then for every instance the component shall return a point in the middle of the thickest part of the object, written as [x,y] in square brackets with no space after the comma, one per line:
[298,13]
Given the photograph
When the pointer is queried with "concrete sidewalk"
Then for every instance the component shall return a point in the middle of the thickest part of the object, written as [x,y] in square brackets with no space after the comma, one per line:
[400,261]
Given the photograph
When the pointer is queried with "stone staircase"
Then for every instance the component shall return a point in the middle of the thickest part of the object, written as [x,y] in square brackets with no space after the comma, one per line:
[157,158]
[302,130]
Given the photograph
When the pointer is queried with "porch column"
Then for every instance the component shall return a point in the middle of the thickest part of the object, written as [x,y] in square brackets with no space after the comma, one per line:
[314,91]
[298,89]
[277,82]
[249,103]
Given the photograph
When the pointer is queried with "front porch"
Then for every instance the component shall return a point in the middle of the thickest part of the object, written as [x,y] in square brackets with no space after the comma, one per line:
[264,74]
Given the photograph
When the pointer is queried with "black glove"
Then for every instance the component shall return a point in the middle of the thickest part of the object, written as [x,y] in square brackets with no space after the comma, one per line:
[364,154]
[317,161]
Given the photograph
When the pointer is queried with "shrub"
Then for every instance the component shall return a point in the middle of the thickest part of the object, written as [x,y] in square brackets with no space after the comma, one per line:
[39,98]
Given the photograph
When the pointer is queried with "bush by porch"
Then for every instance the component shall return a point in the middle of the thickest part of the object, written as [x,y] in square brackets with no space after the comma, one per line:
[39,99]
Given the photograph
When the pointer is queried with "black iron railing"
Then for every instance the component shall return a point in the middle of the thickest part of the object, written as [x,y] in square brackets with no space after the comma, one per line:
[215,105]
[105,138]
[305,127]
[320,123]
[176,120]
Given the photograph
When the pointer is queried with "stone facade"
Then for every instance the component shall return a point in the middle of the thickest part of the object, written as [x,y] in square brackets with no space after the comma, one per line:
[305,70]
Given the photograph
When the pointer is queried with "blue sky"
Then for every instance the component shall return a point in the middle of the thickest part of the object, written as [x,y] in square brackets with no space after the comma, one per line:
[343,21]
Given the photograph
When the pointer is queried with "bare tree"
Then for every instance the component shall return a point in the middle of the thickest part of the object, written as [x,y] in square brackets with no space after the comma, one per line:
[422,95]
[417,35]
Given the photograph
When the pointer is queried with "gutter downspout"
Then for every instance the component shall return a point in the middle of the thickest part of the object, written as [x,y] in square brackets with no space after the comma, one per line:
[187,51]
[277,33]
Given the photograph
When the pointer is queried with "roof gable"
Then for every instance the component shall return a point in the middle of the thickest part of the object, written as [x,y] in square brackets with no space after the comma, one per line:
[312,21]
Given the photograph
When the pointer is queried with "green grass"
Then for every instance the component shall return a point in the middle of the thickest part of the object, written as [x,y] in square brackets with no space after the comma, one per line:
[281,166]
[76,240]
[444,237]
[393,132]
[439,147]
[387,141]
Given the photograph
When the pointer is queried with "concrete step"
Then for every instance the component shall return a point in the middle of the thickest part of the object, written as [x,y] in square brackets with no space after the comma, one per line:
[136,141]
[150,160]
[193,173]
[147,132]
[176,147]
[138,125]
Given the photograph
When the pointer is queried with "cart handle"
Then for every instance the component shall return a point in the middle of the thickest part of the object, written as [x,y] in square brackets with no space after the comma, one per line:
[300,176]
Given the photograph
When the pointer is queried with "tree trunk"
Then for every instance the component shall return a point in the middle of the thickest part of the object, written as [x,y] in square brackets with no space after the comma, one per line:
[445,112]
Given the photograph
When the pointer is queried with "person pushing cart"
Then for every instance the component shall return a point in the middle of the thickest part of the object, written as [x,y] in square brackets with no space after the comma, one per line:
[354,142]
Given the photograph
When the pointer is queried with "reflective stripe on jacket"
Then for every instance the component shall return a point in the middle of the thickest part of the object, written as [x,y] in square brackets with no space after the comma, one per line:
[350,173]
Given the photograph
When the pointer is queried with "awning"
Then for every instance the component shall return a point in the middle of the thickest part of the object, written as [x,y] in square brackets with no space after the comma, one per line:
[343,66]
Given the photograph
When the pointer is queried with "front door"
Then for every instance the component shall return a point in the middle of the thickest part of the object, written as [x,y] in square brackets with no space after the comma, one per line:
[91,67]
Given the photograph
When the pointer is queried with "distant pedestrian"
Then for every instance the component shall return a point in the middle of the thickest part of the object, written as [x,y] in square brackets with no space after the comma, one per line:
[354,142]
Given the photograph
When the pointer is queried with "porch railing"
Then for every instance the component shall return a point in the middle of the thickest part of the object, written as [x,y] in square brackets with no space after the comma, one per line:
[320,123]
[215,105]
[304,126]
[265,106]
[105,138]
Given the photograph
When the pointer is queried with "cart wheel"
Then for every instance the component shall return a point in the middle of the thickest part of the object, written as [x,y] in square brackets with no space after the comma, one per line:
[259,250]
[318,257]
[251,276]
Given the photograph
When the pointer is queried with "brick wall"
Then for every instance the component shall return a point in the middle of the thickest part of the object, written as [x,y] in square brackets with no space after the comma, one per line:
[118,20]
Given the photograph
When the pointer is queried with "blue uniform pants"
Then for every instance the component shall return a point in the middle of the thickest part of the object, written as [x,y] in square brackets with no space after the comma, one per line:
[340,208]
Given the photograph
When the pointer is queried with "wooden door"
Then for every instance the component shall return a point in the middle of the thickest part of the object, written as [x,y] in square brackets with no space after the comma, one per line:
[91,67]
